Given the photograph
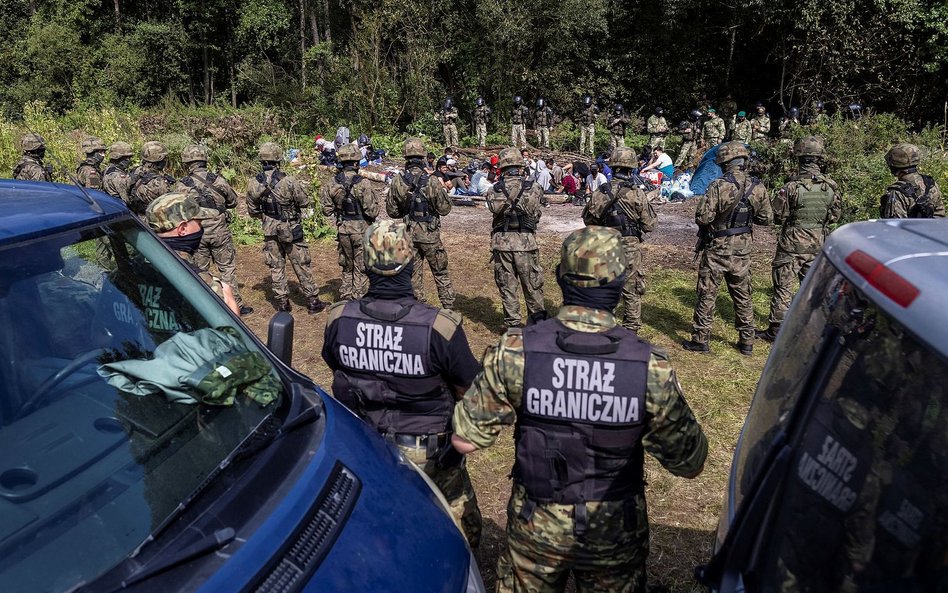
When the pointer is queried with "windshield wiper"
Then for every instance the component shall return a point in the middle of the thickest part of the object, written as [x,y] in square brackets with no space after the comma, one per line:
[162,562]
[270,431]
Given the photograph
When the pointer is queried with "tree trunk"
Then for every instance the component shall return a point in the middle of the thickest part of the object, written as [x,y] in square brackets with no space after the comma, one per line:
[303,42]
[327,35]
[118,15]
[205,63]
[314,26]
[233,86]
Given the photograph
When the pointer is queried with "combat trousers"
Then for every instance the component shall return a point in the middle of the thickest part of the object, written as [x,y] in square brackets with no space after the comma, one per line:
[481,130]
[543,137]
[218,247]
[616,140]
[543,550]
[276,253]
[352,261]
[455,484]
[634,286]
[518,135]
[437,259]
[686,155]
[587,139]
[657,142]
[451,135]
[787,268]
[735,271]
[514,270]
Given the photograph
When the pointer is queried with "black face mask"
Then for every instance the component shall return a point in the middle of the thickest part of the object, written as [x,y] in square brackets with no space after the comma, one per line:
[604,297]
[390,287]
[97,157]
[186,243]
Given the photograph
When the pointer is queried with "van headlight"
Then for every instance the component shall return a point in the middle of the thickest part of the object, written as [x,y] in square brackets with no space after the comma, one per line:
[474,582]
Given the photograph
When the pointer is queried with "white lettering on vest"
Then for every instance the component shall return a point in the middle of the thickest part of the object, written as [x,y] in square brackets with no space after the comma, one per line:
[581,405]
[827,474]
[382,361]
[375,335]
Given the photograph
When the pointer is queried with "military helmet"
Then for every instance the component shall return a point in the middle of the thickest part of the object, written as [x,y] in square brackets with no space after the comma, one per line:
[270,152]
[696,114]
[618,107]
[592,256]
[624,156]
[388,247]
[587,100]
[120,150]
[729,151]
[902,156]
[509,157]
[193,153]
[169,210]
[479,102]
[659,110]
[31,142]
[92,144]
[518,100]
[809,146]
[154,152]
[448,103]
[349,153]
[414,147]
[794,112]
[540,103]
[819,105]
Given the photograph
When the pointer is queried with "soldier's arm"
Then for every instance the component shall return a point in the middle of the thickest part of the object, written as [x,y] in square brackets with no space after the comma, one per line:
[780,202]
[763,214]
[371,201]
[706,209]
[325,201]
[451,352]
[938,202]
[532,202]
[647,216]
[439,196]
[836,208]
[297,193]
[592,212]
[230,196]
[253,200]
[329,335]
[672,435]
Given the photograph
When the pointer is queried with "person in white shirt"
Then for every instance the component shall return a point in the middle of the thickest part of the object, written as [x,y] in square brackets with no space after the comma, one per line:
[594,179]
[660,162]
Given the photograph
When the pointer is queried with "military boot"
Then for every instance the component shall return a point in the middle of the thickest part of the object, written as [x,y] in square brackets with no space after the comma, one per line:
[315,305]
[283,304]
[745,349]
[693,346]
[245,310]
[769,334]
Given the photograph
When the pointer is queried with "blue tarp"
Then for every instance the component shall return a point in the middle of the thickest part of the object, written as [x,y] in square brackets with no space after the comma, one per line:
[706,172]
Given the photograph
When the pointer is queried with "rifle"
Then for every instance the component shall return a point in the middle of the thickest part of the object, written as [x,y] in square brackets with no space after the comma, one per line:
[705,236]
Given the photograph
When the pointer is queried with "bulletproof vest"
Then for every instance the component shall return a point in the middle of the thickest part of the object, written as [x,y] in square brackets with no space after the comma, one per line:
[615,216]
[85,164]
[515,220]
[384,348]
[23,162]
[205,195]
[738,221]
[543,118]
[421,210]
[139,204]
[922,206]
[814,197]
[516,117]
[580,423]
[349,207]
[113,169]
[269,204]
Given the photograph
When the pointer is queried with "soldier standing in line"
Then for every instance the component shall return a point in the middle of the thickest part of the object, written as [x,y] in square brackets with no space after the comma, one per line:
[514,203]
[760,124]
[742,128]
[481,117]
[422,200]
[577,504]
[355,205]
[213,193]
[788,124]
[543,120]
[449,123]
[411,408]
[617,123]
[587,126]
[622,205]
[688,144]
[657,128]
[116,181]
[89,172]
[805,206]
[518,122]
[278,199]
[31,167]
[149,180]
[913,195]
[713,131]
[728,111]
[725,215]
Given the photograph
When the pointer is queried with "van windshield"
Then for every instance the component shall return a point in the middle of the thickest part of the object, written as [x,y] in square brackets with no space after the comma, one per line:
[123,385]
[864,504]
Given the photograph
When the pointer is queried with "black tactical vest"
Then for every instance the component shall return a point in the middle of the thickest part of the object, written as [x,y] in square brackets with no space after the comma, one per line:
[615,216]
[384,348]
[421,210]
[741,216]
[205,195]
[579,426]
[269,204]
[514,219]
[349,207]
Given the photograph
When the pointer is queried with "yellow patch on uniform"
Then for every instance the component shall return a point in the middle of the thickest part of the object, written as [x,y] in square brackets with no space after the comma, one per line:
[447,322]
[335,311]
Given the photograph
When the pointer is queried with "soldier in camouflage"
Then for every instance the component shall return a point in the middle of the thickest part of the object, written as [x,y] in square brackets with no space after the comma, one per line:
[788,124]
[760,124]
[913,195]
[481,117]
[213,193]
[742,128]
[805,207]
[448,116]
[657,128]
[617,123]
[586,513]
[623,205]
[518,122]
[725,216]
[543,121]
[688,144]
[277,199]
[149,180]
[422,200]
[714,130]
[116,181]
[412,406]
[587,126]
[89,171]
[354,204]
[514,203]
[31,167]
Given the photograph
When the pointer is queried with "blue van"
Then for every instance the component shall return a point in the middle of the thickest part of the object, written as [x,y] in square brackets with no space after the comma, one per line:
[840,478]
[128,479]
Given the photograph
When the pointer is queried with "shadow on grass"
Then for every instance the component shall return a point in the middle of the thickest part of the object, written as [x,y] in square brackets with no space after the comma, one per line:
[493,542]
[481,310]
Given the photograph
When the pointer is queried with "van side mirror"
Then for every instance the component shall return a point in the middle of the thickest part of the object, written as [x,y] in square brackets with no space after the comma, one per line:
[280,336]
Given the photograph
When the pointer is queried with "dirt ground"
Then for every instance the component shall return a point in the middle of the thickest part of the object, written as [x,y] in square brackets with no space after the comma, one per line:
[682,513]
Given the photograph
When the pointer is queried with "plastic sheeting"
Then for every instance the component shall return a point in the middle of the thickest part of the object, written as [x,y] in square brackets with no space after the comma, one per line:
[706,172]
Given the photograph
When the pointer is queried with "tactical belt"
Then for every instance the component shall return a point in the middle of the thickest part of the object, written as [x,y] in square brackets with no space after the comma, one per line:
[351,217]
[740,230]
[431,443]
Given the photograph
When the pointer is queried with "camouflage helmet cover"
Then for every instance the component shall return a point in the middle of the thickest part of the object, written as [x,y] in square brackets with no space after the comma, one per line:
[154,152]
[120,150]
[809,146]
[624,156]
[194,152]
[270,151]
[592,256]
[349,153]
[171,209]
[414,147]
[92,144]
[509,157]
[388,247]
[903,155]
[31,142]
[730,151]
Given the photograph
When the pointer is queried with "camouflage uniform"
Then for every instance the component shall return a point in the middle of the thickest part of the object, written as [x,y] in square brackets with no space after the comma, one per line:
[587,129]
[518,125]
[621,205]
[449,120]
[388,250]
[31,167]
[760,126]
[352,218]
[278,199]
[617,123]
[543,121]
[713,131]
[481,116]
[515,253]
[688,145]
[116,181]
[913,195]
[214,193]
[148,180]
[425,228]
[727,256]
[657,128]
[89,172]
[546,541]
[742,129]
